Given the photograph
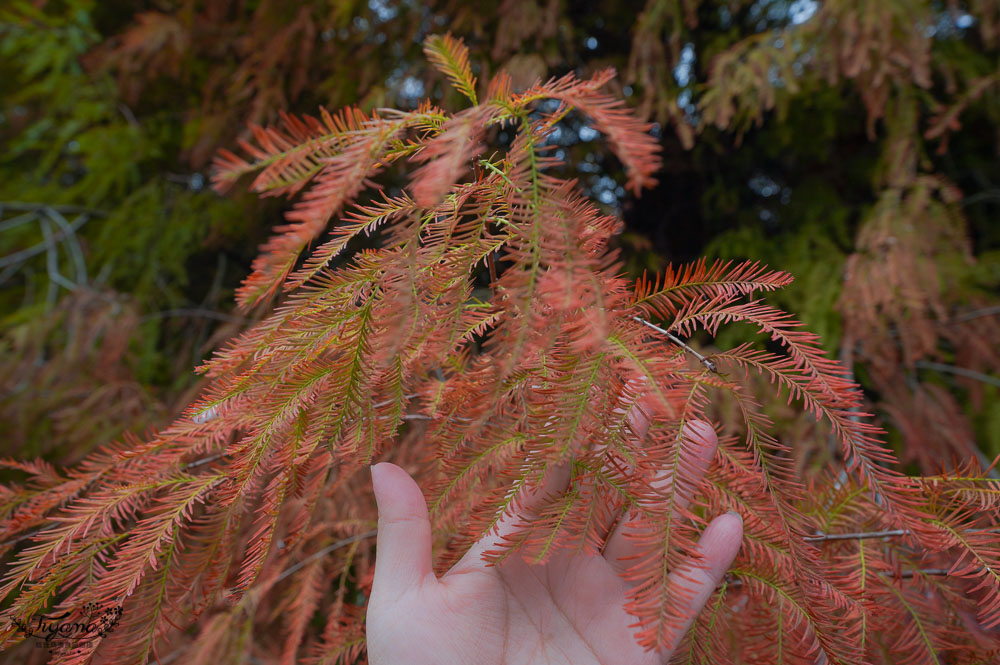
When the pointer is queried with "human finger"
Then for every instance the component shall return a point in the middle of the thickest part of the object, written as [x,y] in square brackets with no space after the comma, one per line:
[695,581]
[403,545]
[554,481]
[698,444]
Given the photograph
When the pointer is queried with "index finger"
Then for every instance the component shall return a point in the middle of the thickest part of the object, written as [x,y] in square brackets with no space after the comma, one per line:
[554,481]
[697,444]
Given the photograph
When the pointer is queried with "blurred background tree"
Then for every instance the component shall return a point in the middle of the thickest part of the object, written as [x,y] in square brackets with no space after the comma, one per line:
[854,143]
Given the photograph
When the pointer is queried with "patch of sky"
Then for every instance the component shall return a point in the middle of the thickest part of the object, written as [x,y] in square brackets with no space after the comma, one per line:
[589,164]
[685,67]
[563,134]
[684,101]
[725,17]
[774,76]
[412,88]
[801,11]
[606,190]
[772,13]
[764,185]
[383,10]
[684,75]
[545,106]
[549,105]
[950,24]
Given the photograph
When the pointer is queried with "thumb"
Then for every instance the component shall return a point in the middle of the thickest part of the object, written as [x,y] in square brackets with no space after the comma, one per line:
[403,545]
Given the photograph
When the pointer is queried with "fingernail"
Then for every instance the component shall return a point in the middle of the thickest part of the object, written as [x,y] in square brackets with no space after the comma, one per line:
[736,515]
[375,483]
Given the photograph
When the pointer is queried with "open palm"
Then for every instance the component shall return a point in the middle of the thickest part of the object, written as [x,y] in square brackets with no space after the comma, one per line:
[569,609]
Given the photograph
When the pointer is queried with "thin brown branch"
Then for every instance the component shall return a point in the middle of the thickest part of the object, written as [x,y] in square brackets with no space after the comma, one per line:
[492,263]
[709,364]
[203,460]
[856,535]
[197,312]
[323,552]
[23,536]
[976,313]
[37,207]
[905,574]
[959,371]
[46,244]
[891,533]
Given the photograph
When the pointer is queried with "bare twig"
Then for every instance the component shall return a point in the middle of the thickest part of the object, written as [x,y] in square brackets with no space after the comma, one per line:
[69,238]
[24,254]
[20,220]
[23,536]
[905,574]
[323,552]
[960,371]
[52,264]
[391,401]
[890,533]
[196,312]
[491,262]
[203,460]
[128,115]
[856,535]
[709,364]
[976,313]
[38,207]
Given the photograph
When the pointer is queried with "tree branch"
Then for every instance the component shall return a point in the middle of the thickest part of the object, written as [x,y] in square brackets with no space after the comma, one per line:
[709,364]
[960,371]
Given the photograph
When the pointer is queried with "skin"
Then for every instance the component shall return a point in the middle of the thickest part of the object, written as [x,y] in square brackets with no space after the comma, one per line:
[566,610]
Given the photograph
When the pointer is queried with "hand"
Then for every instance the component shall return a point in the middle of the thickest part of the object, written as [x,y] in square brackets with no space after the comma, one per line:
[566,610]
